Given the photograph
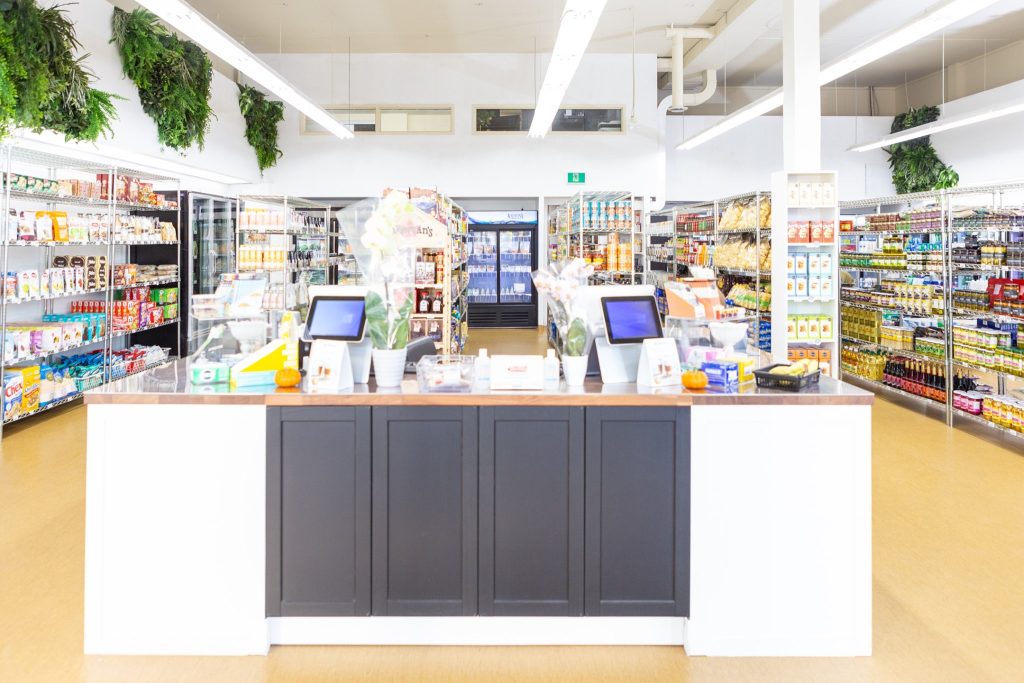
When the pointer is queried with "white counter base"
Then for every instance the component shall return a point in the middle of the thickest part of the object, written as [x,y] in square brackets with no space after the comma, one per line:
[175,530]
[780,531]
[780,551]
[477,630]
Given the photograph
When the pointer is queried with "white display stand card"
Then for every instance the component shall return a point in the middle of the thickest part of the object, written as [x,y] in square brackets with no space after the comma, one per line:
[659,364]
[517,373]
[330,366]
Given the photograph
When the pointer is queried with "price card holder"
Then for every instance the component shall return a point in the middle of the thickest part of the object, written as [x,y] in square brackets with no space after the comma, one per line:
[659,364]
[330,366]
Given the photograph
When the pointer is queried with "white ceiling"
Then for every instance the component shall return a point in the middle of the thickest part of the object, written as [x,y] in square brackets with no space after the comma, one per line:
[848,24]
[443,25]
[268,26]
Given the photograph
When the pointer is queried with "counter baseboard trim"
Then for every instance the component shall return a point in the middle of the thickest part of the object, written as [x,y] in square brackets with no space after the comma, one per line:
[477,631]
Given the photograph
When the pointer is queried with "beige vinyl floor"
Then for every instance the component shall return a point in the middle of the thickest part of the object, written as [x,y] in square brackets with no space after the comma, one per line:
[948,578]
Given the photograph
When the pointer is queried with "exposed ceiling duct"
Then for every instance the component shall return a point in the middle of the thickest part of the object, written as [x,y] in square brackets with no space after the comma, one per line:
[680,98]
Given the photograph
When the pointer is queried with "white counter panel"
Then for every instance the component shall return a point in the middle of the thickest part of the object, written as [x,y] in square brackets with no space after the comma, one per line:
[780,552]
[175,530]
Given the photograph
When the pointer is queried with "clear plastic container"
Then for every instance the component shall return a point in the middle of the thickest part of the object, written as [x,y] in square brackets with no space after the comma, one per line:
[446,374]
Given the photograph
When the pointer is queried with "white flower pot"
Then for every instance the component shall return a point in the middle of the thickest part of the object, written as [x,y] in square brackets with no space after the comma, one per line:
[389,367]
[575,369]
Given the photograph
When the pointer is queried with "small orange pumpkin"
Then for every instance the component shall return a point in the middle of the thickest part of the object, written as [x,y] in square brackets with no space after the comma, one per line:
[695,379]
[287,377]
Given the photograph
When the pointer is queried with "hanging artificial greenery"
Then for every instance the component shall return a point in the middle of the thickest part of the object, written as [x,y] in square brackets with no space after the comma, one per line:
[173,77]
[43,86]
[915,165]
[261,119]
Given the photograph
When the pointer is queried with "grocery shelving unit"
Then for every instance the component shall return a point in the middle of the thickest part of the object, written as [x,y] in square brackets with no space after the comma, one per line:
[942,243]
[677,238]
[450,327]
[344,269]
[804,265]
[297,230]
[741,217]
[589,223]
[112,237]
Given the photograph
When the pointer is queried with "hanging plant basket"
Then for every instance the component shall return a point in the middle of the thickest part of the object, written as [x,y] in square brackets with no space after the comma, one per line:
[915,165]
[262,117]
[43,85]
[173,77]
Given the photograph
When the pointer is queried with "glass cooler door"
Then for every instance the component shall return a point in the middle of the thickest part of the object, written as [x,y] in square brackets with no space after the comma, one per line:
[214,240]
[213,251]
[516,283]
[483,266]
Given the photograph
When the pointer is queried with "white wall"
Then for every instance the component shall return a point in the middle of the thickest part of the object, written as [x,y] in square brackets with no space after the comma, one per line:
[226,149]
[743,159]
[464,163]
[989,151]
[468,164]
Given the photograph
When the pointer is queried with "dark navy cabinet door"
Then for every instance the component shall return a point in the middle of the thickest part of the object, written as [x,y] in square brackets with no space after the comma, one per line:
[637,511]
[424,511]
[318,511]
[531,511]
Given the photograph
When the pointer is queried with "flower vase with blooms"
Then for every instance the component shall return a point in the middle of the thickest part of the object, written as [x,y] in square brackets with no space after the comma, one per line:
[559,285]
[383,236]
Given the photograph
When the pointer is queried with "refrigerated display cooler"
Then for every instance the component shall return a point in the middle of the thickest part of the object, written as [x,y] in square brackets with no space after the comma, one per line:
[502,258]
[211,253]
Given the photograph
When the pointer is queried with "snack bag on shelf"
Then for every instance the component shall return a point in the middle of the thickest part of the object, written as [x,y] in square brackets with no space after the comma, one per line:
[59,220]
[11,287]
[30,388]
[12,394]
[44,226]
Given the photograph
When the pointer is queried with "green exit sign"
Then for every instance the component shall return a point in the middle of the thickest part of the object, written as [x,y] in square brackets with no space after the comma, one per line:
[577,178]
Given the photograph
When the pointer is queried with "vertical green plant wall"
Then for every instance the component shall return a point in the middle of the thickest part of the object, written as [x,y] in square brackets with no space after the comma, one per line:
[43,85]
[262,117]
[915,165]
[173,77]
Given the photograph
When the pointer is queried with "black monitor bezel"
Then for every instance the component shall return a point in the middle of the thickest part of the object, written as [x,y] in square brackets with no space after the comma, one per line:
[338,297]
[630,340]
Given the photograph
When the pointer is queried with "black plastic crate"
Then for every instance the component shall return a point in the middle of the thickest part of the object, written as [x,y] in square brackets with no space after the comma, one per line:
[766,380]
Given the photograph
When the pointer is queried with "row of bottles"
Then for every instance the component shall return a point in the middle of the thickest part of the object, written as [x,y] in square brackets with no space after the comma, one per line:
[269,219]
[429,301]
[921,378]
[260,257]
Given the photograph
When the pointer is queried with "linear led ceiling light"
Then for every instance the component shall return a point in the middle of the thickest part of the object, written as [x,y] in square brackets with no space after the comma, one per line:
[579,19]
[748,113]
[110,155]
[968,119]
[935,20]
[188,21]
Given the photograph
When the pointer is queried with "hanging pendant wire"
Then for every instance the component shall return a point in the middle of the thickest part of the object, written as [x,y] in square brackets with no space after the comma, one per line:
[725,89]
[536,58]
[349,108]
[943,71]
[632,112]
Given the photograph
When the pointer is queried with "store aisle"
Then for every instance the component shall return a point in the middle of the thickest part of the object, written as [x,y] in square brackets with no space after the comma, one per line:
[948,552]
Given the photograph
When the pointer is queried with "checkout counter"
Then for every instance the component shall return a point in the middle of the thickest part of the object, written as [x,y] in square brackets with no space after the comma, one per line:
[732,523]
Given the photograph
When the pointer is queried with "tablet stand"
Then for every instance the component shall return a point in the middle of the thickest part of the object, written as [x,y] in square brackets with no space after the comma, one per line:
[619,362]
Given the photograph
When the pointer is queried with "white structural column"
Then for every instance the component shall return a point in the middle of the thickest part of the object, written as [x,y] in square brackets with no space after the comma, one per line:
[801,66]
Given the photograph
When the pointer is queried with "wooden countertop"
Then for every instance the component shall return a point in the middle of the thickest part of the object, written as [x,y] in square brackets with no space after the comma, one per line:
[169,385]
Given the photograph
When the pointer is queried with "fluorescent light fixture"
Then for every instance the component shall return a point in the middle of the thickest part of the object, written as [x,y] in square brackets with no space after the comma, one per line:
[943,124]
[750,112]
[188,21]
[933,21]
[579,19]
[109,155]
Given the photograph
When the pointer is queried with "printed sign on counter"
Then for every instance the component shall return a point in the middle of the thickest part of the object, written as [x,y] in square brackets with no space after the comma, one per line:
[517,373]
[659,364]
